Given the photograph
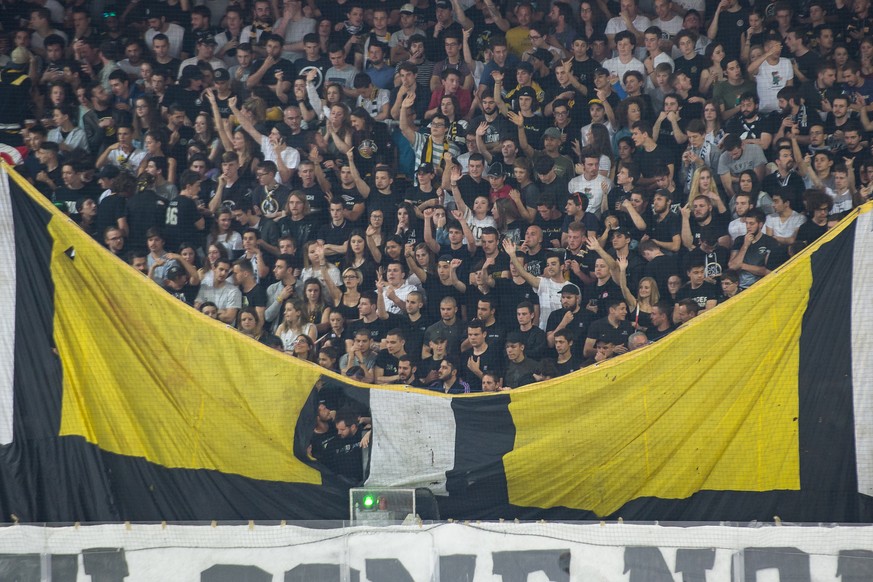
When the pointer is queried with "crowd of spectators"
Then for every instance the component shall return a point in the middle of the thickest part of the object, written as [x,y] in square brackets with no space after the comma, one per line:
[464,195]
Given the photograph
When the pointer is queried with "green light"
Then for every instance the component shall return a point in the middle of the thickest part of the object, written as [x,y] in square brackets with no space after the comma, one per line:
[369,501]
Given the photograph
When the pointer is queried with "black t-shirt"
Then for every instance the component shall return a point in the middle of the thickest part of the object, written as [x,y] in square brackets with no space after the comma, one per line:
[470,189]
[144,210]
[387,362]
[188,293]
[377,329]
[552,229]
[109,211]
[490,360]
[692,67]
[498,130]
[664,230]
[750,129]
[652,161]
[602,329]
[509,295]
[660,269]
[417,196]
[413,331]
[237,193]
[578,327]
[436,292]
[302,230]
[602,293]
[700,295]
[388,204]
[179,220]
[809,232]
[564,368]
[334,235]
[719,224]
[254,297]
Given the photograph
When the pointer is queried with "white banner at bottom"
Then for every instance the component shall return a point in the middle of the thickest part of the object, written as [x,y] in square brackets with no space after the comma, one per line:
[441,552]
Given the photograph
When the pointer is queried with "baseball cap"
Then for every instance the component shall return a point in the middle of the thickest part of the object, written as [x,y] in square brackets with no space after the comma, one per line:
[496,170]
[570,289]
[444,5]
[221,75]
[622,230]
[601,71]
[175,272]
[552,132]
[407,9]
[206,39]
[445,259]
[543,55]
[524,66]
[527,92]
[108,171]
[425,168]
[595,102]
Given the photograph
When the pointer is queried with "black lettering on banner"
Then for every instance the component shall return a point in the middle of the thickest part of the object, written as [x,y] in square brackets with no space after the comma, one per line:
[459,568]
[233,573]
[646,564]
[27,568]
[855,566]
[694,563]
[387,570]
[105,564]
[308,572]
[515,566]
[792,563]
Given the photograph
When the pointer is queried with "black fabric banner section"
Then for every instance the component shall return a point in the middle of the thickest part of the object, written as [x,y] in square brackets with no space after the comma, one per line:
[484,433]
[828,475]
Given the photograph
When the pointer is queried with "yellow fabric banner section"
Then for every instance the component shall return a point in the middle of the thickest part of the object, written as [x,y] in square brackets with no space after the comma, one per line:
[714,407]
[145,376]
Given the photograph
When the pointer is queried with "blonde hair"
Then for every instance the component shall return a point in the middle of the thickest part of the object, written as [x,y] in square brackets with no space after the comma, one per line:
[694,191]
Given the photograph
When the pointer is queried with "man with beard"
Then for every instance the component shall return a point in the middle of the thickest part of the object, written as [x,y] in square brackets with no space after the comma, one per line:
[743,203]
[784,180]
[496,127]
[704,216]
[751,253]
[749,125]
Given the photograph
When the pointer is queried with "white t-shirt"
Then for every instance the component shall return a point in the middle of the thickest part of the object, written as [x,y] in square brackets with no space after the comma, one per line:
[593,190]
[616,67]
[770,80]
[549,293]
[290,156]
[785,229]
[641,23]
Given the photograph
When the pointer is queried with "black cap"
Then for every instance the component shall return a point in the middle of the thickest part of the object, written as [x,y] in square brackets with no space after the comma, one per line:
[175,272]
[543,55]
[206,39]
[496,170]
[524,66]
[221,75]
[444,5]
[108,171]
[514,337]
[425,168]
[527,92]
[445,259]
[570,289]
[622,230]
[601,71]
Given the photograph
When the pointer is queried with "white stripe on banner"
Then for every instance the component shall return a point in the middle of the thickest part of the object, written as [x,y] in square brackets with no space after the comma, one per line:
[862,351]
[415,448]
[7,323]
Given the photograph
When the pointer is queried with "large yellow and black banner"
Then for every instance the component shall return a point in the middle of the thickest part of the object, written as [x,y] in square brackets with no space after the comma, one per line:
[118,402]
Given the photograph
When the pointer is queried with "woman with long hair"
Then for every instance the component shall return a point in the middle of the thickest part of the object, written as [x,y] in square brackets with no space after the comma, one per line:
[715,72]
[370,142]
[712,120]
[314,305]
[346,297]
[146,116]
[238,140]
[703,184]
[335,337]
[315,266]
[335,136]
[509,221]
[592,18]
[58,94]
[333,95]
[249,323]
[392,250]
[422,260]
[205,133]
[865,57]
[304,348]
[157,145]
[359,257]
[627,113]
[457,126]
[222,234]
[293,324]
[639,306]
[598,140]
[749,184]
[408,224]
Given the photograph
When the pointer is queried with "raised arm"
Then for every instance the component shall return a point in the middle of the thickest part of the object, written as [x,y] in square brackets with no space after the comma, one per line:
[510,249]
